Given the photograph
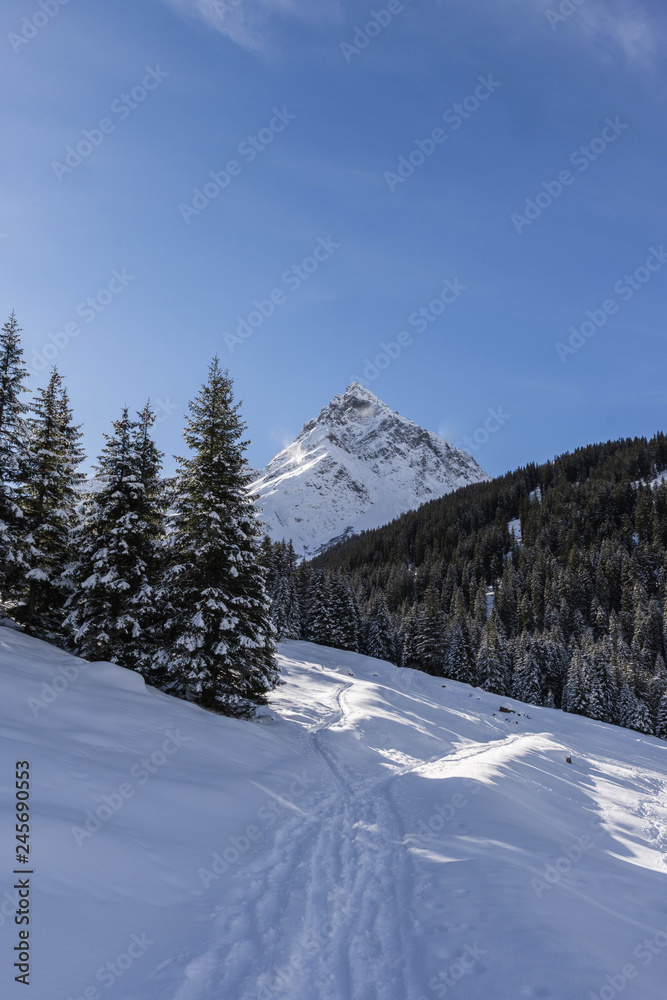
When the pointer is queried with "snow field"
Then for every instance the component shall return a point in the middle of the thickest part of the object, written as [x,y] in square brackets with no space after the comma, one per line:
[374,836]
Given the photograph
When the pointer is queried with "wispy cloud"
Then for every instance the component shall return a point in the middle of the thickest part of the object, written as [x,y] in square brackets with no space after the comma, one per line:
[251,23]
[625,25]
[628,25]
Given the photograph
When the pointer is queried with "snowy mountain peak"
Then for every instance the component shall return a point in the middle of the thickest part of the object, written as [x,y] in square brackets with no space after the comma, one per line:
[356,403]
[355,466]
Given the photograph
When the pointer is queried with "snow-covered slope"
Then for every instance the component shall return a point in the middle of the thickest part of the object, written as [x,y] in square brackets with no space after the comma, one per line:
[377,836]
[356,466]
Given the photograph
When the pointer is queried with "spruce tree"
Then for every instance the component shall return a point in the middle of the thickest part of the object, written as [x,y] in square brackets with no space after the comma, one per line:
[346,616]
[426,641]
[380,637]
[51,484]
[218,648]
[492,658]
[12,458]
[574,695]
[113,611]
[634,712]
[661,723]
[285,609]
[460,658]
[408,637]
[527,681]
[319,626]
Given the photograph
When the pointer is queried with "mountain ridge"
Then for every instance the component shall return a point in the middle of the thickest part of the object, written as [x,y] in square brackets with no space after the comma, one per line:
[357,465]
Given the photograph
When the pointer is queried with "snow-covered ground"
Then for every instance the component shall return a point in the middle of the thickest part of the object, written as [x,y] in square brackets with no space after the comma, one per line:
[375,836]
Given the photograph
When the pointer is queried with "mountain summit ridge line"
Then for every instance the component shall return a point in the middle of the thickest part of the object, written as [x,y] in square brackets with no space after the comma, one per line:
[357,465]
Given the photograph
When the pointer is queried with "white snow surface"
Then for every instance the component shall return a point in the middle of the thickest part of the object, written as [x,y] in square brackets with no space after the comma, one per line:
[514,528]
[374,836]
[358,465]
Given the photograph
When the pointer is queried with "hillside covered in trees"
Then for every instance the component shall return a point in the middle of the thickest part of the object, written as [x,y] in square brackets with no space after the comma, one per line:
[548,583]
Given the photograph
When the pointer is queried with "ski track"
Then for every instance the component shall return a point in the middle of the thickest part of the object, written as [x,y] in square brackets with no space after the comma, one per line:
[321,908]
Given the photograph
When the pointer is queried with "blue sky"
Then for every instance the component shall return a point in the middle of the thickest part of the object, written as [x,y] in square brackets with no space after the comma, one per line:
[305,121]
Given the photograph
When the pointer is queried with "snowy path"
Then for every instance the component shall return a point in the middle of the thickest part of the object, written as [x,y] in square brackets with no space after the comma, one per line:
[322,907]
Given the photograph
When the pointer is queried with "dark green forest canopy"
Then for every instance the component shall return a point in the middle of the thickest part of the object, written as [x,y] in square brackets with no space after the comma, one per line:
[579,500]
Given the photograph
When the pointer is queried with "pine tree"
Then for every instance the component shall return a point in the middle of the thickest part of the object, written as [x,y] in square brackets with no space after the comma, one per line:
[574,695]
[218,635]
[492,658]
[346,616]
[279,562]
[409,635]
[12,458]
[528,674]
[661,724]
[427,643]
[460,659]
[380,637]
[634,712]
[51,484]
[286,610]
[113,611]
[319,624]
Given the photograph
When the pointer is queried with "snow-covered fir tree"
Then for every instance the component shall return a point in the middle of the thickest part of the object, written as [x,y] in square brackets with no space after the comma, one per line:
[634,712]
[661,722]
[51,482]
[460,660]
[218,646]
[409,634]
[429,640]
[12,459]
[574,695]
[346,615]
[112,613]
[527,681]
[380,635]
[493,667]
[318,614]
[280,562]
